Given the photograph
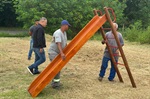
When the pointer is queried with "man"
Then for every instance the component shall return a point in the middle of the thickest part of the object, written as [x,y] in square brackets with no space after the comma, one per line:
[112,43]
[57,45]
[32,28]
[39,44]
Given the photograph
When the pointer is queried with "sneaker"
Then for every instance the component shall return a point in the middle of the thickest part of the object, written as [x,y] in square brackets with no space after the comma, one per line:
[100,78]
[36,73]
[29,58]
[111,80]
[30,70]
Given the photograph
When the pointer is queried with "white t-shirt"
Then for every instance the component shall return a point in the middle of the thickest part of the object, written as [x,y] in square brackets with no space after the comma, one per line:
[60,37]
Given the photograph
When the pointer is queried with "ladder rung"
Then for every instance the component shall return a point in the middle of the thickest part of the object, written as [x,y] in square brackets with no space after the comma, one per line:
[117,55]
[120,64]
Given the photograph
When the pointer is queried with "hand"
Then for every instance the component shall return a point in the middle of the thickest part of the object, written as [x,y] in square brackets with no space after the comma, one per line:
[41,50]
[63,56]
[117,51]
[104,41]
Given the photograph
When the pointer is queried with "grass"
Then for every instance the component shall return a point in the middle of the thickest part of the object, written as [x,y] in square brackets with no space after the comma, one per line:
[14,35]
[13,32]
[12,28]
[97,36]
[79,76]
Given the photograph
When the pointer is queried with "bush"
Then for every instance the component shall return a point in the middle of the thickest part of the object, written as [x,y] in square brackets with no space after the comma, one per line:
[135,33]
[145,36]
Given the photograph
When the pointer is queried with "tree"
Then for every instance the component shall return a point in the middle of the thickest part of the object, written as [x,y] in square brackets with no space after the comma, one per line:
[118,7]
[138,10]
[7,14]
[78,13]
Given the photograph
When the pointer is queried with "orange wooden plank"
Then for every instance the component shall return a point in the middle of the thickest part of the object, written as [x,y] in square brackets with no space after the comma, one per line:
[73,47]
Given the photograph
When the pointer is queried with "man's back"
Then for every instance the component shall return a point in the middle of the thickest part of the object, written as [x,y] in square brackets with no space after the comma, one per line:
[112,43]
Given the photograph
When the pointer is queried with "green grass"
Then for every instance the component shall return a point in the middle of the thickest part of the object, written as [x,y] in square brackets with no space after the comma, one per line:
[97,37]
[13,32]
[12,28]
[14,35]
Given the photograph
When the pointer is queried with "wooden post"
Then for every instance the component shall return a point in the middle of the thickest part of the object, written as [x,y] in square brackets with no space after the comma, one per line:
[120,47]
[110,52]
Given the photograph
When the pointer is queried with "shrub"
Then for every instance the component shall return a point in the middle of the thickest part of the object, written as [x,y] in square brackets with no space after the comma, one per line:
[145,36]
[135,33]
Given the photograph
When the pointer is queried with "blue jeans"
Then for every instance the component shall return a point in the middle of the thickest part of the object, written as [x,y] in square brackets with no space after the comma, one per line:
[39,59]
[104,67]
[31,49]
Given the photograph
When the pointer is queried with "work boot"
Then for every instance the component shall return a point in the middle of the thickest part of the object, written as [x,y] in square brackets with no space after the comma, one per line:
[56,85]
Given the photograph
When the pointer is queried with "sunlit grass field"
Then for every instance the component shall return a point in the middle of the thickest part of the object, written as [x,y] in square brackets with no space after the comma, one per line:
[79,76]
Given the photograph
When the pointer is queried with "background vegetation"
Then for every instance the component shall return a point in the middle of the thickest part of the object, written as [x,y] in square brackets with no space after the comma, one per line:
[133,16]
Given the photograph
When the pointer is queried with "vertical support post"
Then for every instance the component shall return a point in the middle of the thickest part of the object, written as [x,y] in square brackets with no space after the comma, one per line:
[110,52]
[119,47]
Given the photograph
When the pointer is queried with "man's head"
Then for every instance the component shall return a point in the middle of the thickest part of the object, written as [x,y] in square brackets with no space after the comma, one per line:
[65,25]
[115,25]
[43,21]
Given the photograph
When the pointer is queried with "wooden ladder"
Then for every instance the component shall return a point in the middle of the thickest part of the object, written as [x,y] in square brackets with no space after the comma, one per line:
[118,45]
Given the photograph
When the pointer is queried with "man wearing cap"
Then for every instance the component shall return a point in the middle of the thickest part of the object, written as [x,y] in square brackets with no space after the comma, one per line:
[59,42]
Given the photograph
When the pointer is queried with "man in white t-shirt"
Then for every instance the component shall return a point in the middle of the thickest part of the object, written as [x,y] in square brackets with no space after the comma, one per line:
[59,42]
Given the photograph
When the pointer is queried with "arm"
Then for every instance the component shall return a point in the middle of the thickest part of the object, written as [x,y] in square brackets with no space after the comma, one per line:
[40,37]
[30,33]
[104,41]
[61,51]
[31,30]
[121,40]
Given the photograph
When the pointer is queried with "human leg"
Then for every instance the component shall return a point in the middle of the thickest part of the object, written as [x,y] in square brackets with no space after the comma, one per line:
[112,72]
[40,58]
[30,50]
[56,81]
[103,66]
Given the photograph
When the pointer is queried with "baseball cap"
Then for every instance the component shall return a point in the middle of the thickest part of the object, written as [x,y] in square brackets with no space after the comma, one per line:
[65,22]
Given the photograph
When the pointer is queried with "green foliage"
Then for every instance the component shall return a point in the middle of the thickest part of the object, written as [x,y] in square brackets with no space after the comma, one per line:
[117,6]
[145,36]
[77,13]
[138,10]
[7,14]
[135,33]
